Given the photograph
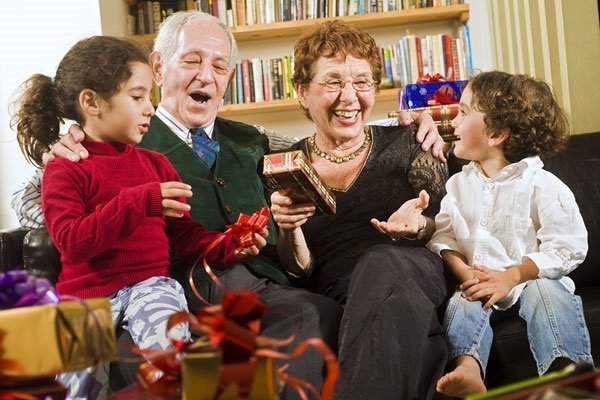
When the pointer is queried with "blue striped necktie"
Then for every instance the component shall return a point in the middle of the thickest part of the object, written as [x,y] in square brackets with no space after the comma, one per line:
[206,148]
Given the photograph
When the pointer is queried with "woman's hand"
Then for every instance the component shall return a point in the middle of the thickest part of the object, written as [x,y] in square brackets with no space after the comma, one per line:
[408,220]
[69,146]
[488,286]
[171,190]
[260,241]
[288,215]
[427,134]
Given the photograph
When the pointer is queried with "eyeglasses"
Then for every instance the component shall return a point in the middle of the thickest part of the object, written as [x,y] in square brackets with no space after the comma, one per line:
[337,85]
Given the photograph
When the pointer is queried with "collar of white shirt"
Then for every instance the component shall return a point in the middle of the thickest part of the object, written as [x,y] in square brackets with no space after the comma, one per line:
[177,127]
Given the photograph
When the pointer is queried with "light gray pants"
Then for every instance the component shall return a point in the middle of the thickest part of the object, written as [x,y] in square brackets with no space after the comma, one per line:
[142,309]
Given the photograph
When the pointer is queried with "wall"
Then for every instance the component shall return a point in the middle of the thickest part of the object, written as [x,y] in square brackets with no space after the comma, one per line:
[557,41]
[33,39]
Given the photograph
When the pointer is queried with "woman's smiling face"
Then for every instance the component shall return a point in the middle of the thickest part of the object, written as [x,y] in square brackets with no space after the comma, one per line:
[340,115]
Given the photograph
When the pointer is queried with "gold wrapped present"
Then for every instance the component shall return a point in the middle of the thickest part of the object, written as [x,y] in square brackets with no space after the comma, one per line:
[201,373]
[292,173]
[46,340]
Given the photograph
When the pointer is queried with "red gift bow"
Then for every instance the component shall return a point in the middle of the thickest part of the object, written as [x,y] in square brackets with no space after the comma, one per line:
[244,229]
[429,78]
[233,325]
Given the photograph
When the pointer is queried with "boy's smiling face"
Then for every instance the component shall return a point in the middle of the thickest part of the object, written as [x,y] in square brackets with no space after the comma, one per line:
[469,125]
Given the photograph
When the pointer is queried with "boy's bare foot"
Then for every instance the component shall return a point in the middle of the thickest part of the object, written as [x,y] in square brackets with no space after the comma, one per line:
[462,381]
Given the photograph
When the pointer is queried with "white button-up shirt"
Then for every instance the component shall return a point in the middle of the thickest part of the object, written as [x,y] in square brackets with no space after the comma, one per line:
[523,211]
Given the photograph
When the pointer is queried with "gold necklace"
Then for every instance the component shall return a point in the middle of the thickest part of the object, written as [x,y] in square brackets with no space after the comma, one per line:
[337,159]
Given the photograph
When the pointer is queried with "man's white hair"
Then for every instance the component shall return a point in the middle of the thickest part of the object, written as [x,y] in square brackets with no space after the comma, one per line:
[166,39]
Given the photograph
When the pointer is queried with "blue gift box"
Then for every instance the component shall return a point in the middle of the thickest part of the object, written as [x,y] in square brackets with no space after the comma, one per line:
[428,94]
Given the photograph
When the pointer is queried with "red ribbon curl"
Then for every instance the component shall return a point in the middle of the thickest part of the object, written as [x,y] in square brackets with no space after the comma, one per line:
[232,327]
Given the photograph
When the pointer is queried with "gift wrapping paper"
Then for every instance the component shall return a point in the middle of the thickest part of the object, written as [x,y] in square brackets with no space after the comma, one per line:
[49,339]
[292,173]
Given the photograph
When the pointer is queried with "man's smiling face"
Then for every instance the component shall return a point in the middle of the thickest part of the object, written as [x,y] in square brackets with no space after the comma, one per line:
[195,79]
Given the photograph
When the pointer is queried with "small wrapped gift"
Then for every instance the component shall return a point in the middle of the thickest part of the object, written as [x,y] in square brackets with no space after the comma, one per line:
[200,377]
[292,174]
[45,340]
[441,115]
[432,93]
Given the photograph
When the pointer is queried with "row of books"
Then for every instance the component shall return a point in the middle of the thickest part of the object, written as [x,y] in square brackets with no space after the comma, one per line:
[149,14]
[404,62]
[251,12]
[412,57]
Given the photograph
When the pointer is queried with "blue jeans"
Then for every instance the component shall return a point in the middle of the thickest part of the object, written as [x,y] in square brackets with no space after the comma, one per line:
[555,325]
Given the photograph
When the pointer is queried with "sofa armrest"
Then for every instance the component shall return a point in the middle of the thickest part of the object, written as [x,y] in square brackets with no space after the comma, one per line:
[11,248]
[40,256]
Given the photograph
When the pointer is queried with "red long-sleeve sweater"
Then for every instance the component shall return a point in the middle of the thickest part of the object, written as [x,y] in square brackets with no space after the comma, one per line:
[104,215]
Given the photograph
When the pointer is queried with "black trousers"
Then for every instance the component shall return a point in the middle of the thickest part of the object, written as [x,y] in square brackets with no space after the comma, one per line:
[390,341]
[292,311]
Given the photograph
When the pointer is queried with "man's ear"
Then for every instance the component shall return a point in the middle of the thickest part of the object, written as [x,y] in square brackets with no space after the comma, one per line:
[89,101]
[156,66]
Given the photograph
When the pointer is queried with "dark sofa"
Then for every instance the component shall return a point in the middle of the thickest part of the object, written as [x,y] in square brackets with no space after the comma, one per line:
[511,359]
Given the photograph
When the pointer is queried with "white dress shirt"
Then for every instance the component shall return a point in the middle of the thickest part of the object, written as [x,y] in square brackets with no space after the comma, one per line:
[523,211]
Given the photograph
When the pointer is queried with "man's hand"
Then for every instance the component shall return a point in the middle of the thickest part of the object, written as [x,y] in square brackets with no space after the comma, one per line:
[69,146]
[427,134]
[169,192]
[289,215]
[260,241]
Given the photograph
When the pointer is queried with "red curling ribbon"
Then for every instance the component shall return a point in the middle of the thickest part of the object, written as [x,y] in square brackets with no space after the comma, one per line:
[244,229]
[232,327]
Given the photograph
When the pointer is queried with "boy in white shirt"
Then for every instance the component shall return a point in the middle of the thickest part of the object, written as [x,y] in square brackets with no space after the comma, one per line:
[510,231]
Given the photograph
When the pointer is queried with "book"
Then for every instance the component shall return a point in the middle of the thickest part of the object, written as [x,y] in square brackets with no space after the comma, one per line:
[291,173]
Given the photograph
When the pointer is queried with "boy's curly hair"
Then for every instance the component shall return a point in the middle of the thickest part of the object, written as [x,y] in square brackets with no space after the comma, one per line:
[524,106]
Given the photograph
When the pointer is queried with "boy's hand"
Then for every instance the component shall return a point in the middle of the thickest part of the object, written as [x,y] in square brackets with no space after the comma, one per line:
[169,192]
[260,241]
[489,288]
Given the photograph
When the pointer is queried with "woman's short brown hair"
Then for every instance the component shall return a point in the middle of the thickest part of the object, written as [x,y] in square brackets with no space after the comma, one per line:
[333,39]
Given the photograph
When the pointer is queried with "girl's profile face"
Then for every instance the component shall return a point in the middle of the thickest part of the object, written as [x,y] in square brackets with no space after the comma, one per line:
[471,128]
[125,117]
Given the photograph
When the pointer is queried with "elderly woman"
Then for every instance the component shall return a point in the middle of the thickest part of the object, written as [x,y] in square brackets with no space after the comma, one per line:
[370,255]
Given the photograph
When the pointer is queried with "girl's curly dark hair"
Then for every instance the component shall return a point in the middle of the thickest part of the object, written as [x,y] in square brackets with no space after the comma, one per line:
[99,63]
[526,108]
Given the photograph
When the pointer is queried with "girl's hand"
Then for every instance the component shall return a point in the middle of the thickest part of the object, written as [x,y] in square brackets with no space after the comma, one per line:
[407,220]
[489,288]
[288,215]
[260,241]
[171,190]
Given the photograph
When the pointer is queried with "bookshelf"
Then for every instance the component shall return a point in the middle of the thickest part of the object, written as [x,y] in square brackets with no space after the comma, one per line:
[251,37]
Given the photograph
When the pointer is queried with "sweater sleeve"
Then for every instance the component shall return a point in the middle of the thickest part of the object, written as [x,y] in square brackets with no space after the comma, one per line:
[82,234]
[189,238]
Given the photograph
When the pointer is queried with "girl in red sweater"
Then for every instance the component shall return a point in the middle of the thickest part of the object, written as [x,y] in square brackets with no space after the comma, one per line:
[115,215]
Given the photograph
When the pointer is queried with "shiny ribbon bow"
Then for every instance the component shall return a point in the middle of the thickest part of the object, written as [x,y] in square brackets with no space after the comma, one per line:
[232,327]
[246,226]
[431,78]
[19,289]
